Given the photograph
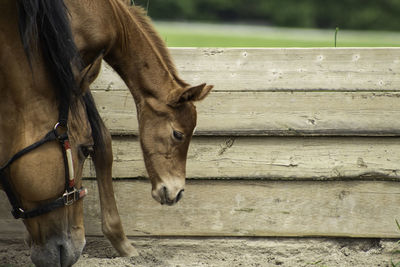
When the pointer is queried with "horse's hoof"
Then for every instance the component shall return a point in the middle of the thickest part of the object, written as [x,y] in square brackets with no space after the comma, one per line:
[127,250]
[131,252]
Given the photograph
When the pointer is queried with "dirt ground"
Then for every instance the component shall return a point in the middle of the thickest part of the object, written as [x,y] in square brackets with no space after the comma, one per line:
[187,252]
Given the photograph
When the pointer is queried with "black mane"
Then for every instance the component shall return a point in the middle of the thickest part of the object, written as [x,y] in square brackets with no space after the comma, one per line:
[44,25]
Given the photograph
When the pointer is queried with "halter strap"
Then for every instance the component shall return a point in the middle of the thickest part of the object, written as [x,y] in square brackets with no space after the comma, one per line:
[66,199]
[50,136]
[70,195]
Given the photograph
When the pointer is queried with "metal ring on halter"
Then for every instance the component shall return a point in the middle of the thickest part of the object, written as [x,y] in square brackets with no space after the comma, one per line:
[58,124]
[61,133]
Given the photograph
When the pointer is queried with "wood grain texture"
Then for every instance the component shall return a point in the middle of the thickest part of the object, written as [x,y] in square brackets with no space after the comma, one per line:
[271,69]
[273,113]
[9,227]
[272,158]
[292,142]
[250,208]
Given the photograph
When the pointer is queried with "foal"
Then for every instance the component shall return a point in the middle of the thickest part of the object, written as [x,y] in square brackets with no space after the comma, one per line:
[125,38]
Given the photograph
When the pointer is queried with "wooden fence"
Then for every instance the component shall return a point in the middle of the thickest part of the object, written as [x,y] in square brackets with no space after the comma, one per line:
[292,142]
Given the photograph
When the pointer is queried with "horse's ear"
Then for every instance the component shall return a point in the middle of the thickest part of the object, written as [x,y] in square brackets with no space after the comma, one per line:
[190,93]
[89,74]
[86,76]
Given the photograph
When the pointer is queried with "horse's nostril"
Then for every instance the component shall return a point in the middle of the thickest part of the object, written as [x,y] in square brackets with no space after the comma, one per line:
[164,195]
[167,198]
[180,195]
[165,191]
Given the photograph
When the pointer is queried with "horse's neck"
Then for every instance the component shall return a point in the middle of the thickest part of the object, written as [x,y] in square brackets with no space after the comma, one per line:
[138,60]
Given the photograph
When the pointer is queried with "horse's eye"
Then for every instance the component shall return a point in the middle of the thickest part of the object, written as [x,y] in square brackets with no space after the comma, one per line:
[178,135]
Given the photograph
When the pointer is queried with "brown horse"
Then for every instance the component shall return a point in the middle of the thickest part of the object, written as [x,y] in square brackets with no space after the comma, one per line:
[125,38]
[32,94]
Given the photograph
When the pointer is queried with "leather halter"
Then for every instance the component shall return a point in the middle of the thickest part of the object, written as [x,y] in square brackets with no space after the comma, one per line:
[70,195]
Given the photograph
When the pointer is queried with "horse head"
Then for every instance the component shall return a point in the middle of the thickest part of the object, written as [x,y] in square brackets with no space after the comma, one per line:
[38,91]
[166,128]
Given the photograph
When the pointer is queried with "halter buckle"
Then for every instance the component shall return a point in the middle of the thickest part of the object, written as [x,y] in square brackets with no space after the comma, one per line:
[17,213]
[70,197]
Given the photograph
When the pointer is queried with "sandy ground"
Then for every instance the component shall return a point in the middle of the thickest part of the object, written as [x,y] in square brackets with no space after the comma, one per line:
[186,252]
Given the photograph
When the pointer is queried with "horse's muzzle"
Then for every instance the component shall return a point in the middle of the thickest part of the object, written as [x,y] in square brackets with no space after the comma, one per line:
[168,195]
[57,252]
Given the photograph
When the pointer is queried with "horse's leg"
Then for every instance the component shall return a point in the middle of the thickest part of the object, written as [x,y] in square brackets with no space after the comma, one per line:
[111,222]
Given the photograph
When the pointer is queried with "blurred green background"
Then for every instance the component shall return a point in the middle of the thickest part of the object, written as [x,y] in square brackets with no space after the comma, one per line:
[276,23]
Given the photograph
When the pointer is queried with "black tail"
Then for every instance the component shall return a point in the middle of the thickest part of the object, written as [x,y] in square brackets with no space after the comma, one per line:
[45,24]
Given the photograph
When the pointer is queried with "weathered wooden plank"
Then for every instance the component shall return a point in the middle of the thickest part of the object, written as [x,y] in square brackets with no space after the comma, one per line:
[266,69]
[250,208]
[9,227]
[272,158]
[362,209]
[273,113]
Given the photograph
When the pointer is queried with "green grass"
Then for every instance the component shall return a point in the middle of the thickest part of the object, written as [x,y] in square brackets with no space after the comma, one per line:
[223,35]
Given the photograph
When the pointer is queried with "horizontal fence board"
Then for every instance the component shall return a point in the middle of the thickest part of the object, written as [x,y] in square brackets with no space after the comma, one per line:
[272,113]
[9,227]
[272,158]
[247,208]
[358,209]
[362,209]
[261,69]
